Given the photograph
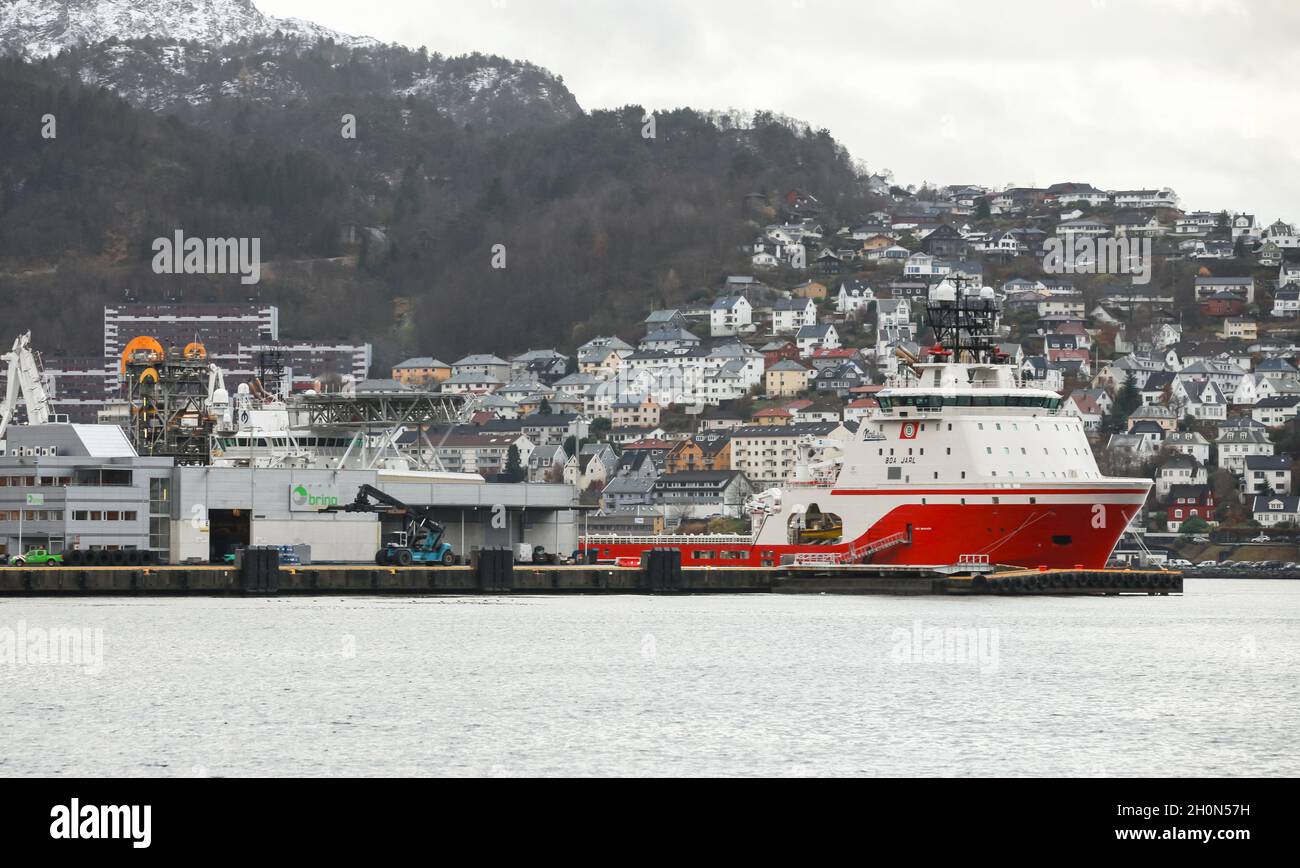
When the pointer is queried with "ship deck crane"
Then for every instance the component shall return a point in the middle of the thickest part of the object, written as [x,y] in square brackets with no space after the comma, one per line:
[24,377]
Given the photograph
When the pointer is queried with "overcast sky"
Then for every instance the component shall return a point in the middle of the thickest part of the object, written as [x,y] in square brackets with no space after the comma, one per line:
[1198,95]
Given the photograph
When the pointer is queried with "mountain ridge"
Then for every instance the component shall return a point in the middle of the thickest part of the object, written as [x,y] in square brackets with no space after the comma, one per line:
[38,29]
[174,55]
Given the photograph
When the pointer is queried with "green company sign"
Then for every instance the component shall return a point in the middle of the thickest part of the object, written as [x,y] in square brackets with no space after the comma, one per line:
[312,497]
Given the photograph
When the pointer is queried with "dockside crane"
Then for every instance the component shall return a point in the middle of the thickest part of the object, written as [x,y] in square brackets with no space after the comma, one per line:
[420,541]
[24,377]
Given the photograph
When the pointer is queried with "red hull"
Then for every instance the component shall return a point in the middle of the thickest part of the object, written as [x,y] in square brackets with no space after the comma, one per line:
[1027,535]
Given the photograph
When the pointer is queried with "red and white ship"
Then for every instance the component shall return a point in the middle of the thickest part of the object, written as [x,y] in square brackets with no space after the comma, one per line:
[961,464]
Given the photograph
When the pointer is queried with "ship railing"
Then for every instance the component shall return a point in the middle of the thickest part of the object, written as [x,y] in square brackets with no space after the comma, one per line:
[972,560]
[822,479]
[668,539]
[805,559]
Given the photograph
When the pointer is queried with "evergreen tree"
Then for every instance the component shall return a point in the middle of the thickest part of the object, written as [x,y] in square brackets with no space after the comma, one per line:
[1126,402]
[514,470]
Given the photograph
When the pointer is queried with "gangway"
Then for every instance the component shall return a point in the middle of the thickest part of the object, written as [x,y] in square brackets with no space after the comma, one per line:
[855,555]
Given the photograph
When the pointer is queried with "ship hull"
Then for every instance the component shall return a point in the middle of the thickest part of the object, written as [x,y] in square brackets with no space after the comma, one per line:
[1060,527]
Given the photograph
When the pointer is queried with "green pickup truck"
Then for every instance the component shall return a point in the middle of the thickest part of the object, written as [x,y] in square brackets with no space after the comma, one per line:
[37,557]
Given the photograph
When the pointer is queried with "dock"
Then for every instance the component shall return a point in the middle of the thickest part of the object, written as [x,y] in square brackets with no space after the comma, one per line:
[260,574]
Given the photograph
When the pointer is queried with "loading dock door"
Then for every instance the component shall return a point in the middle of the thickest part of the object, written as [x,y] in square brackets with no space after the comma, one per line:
[227,529]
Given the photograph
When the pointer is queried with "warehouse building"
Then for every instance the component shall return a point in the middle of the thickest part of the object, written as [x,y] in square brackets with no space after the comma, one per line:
[66,486]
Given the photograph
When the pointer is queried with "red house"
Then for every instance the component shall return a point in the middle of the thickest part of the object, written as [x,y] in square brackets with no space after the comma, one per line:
[777,351]
[1223,304]
[1186,501]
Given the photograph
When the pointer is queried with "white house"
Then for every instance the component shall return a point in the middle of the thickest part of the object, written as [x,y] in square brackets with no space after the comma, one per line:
[1162,198]
[791,314]
[854,297]
[1275,411]
[1235,445]
[1267,474]
[731,315]
[1286,301]
[893,312]
[923,264]
[1189,443]
[1200,399]
[1179,470]
[817,337]
[1271,510]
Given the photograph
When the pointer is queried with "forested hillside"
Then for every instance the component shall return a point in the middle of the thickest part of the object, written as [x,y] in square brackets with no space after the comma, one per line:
[388,236]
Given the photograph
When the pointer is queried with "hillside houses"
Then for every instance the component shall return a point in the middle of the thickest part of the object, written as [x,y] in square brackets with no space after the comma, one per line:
[725,380]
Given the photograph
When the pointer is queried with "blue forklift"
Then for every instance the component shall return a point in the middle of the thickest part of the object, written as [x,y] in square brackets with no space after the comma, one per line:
[419,542]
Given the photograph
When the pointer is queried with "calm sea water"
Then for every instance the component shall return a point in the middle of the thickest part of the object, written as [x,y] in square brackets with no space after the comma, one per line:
[1204,684]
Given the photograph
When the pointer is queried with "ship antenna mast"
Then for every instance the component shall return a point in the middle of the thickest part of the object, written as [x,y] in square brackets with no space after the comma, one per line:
[964,317]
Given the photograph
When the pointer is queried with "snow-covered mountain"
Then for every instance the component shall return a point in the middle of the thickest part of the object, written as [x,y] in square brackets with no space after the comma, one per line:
[41,28]
[182,55]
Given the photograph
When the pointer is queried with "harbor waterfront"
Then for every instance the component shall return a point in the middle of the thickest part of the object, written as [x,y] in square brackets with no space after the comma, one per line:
[494,572]
[1202,684]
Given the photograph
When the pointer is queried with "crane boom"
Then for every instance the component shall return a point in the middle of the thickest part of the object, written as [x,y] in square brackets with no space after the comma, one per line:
[416,519]
[421,540]
[24,376]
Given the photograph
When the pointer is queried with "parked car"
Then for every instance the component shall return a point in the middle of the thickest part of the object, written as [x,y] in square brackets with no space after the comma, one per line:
[38,558]
[1180,563]
[1205,564]
[1262,538]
